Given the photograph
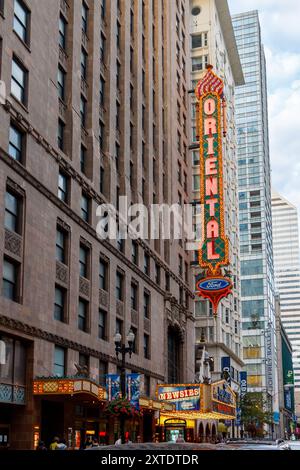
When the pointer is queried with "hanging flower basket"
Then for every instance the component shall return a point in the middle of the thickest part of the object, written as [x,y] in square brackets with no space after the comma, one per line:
[122,406]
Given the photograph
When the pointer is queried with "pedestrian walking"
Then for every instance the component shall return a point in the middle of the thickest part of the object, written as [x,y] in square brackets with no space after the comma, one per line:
[54,443]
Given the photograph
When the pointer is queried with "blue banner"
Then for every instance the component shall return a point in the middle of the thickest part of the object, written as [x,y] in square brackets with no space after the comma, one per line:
[243,384]
[226,370]
[133,382]
[184,397]
[276,417]
[113,386]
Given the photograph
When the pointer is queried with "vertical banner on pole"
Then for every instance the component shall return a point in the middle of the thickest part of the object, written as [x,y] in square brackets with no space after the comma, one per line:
[133,382]
[113,386]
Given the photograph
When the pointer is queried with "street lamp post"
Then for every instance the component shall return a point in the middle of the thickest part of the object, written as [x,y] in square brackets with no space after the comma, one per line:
[122,349]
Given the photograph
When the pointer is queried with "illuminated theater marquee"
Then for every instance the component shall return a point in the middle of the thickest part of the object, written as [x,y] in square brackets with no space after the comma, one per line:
[213,253]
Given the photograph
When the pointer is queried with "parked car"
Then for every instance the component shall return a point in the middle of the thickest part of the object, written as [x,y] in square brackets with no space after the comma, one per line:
[289,445]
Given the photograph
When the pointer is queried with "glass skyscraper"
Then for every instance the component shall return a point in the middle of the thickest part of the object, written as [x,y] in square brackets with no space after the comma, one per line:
[256,246]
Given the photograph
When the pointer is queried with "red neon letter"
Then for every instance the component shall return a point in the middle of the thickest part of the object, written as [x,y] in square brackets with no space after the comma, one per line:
[211,202]
[211,251]
[210,166]
[210,126]
[212,229]
[211,186]
[209,106]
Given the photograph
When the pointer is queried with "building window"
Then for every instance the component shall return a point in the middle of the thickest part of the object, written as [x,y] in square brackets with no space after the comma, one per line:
[63,187]
[15,147]
[103,370]
[147,389]
[103,8]
[102,176]
[134,296]
[12,212]
[146,305]
[117,159]
[62,32]
[83,261]
[167,282]
[21,20]
[102,91]
[199,63]
[118,74]
[18,81]
[102,47]
[135,252]
[59,304]
[61,80]
[82,111]
[146,347]
[61,134]
[84,361]
[82,315]
[103,275]
[83,64]
[59,361]
[196,40]
[83,159]
[157,274]
[101,135]
[119,286]
[85,208]
[61,242]
[10,280]
[118,35]
[84,17]
[102,324]
[119,326]
[227,315]
[147,264]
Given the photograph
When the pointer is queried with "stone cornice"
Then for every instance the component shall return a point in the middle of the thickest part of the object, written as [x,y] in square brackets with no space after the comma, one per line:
[33,331]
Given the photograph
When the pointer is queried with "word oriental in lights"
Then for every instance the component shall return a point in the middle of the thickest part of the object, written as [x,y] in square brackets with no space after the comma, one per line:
[213,252]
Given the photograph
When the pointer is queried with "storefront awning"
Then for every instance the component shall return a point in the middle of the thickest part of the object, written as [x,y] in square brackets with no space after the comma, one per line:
[213,401]
[195,415]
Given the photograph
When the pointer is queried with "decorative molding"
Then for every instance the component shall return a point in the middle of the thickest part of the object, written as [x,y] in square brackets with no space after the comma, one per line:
[103,298]
[134,317]
[84,287]
[62,273]
[18,326]
[120,308]
[13,243]
[147,325]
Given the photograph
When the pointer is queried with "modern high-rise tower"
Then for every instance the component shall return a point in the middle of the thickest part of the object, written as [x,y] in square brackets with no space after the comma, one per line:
[255,218]
[287,272]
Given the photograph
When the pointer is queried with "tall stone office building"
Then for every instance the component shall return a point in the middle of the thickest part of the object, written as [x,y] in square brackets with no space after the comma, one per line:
[255,218]
[96,106]
[287,275]
[213,42]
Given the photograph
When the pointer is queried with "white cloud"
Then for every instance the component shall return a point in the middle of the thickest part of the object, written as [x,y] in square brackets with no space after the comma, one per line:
[281,37]
[284,127]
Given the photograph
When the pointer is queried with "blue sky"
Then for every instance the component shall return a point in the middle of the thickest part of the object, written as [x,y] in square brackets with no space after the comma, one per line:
[280,27]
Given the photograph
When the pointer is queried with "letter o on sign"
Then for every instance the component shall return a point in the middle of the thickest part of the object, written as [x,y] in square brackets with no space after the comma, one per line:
[209,106]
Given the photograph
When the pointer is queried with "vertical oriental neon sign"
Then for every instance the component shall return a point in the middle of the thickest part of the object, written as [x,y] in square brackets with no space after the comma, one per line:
[213,252]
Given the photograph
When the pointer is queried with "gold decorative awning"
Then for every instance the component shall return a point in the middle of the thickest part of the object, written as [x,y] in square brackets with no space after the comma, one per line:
[57,386]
